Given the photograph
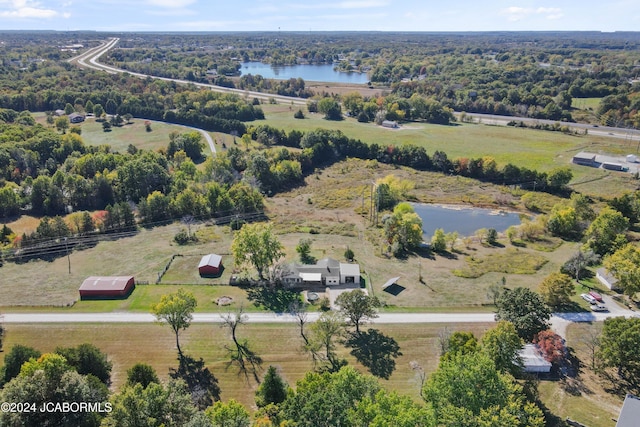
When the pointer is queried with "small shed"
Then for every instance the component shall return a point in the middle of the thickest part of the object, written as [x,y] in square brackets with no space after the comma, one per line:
[390,124]
[607,279]
[107,287]
[210,265]
[533,361]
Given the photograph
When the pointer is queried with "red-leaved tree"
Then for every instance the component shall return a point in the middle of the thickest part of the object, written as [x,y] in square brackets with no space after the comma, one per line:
[551,344]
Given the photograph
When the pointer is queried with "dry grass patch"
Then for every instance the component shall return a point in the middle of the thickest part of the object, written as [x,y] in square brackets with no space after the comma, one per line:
[144,256]
[278,345]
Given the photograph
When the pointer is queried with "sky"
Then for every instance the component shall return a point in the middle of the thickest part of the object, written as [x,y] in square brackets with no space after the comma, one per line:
[327,15]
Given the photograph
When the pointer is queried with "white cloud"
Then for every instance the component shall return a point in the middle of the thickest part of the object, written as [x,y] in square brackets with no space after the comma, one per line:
[361,4]
[26,9]
[171,4]
[515,13]
[349,4]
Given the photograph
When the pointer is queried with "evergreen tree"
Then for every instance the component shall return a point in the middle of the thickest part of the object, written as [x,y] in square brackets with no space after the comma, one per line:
[273,389]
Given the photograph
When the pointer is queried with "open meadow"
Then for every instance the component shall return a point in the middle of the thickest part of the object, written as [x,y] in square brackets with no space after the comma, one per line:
[534,149]
[278,345]
[127,344]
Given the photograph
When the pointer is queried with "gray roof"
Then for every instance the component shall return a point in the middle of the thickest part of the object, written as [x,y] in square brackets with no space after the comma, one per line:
[328,262]
[604,274]
[328,267]
[630,412]
[211,259]
[349,269]
[584,155]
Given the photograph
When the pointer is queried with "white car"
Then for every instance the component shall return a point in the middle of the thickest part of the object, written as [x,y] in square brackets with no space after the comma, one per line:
[599,307]
[588,298]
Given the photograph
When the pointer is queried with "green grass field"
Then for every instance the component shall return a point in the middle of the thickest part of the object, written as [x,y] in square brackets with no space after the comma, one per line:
[534,149]
[586,103]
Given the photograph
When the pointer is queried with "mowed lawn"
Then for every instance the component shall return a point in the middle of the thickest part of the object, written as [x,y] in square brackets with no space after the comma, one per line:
[135,133]
[278,345]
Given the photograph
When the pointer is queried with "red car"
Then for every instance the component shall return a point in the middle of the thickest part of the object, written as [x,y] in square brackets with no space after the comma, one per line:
[596,296]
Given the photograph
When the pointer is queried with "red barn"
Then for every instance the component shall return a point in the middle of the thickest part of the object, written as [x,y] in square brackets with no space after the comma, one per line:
[210,265]
[106,287]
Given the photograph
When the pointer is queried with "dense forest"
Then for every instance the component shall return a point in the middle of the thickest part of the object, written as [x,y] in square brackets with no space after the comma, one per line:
[521,74]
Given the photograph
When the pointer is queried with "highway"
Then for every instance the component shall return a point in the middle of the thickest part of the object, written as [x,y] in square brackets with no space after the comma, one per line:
[89,59]
[630,135]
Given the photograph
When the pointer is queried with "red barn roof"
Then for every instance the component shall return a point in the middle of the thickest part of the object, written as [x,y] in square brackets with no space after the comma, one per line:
[107,286]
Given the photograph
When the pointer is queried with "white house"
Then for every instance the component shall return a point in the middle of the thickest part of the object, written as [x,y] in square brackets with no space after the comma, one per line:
[533,361]
[326,272]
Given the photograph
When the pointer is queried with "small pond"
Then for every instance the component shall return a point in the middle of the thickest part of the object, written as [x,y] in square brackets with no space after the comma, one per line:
[462,219]
[311,73]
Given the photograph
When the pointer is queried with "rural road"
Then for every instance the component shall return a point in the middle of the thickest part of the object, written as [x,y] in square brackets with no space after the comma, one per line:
[629,135]
[128,317]
[89,59]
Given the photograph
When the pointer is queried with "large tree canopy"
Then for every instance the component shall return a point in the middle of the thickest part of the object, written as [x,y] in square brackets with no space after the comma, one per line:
[358,307]
[620,347]
[256,244]
[468,390]
[177,311]
[624,264]
[525,309]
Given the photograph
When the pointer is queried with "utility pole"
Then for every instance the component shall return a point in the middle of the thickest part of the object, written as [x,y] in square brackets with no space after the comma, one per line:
[66,246]
[371,205]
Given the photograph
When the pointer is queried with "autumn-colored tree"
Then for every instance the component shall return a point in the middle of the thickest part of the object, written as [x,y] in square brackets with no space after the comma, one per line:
[552,346]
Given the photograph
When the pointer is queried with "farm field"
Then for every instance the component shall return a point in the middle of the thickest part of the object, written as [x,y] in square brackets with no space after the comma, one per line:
[324,210]
[534,149]
[143,256]
[155,344]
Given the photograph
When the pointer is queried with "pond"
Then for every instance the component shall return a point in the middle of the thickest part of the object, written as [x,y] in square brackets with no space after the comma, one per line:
[462,219]
[311,73]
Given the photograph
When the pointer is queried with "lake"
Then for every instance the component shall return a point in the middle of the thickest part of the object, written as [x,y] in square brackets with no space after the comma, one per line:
[463,220]
[311,73]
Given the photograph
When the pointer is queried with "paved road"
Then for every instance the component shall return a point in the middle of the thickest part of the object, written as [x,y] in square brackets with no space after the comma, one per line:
[629,135]
[89,59]
[128,317]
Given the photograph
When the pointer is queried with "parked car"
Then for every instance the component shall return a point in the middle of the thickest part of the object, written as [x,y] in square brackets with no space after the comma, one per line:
[588,298]
[596,295]
[599,307]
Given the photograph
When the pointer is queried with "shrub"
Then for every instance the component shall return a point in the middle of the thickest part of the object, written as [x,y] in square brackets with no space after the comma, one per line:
[325,304]
[349,255]
[183,238]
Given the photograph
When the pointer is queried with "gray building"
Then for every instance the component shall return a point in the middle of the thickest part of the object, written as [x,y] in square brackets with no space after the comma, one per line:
[326,272]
